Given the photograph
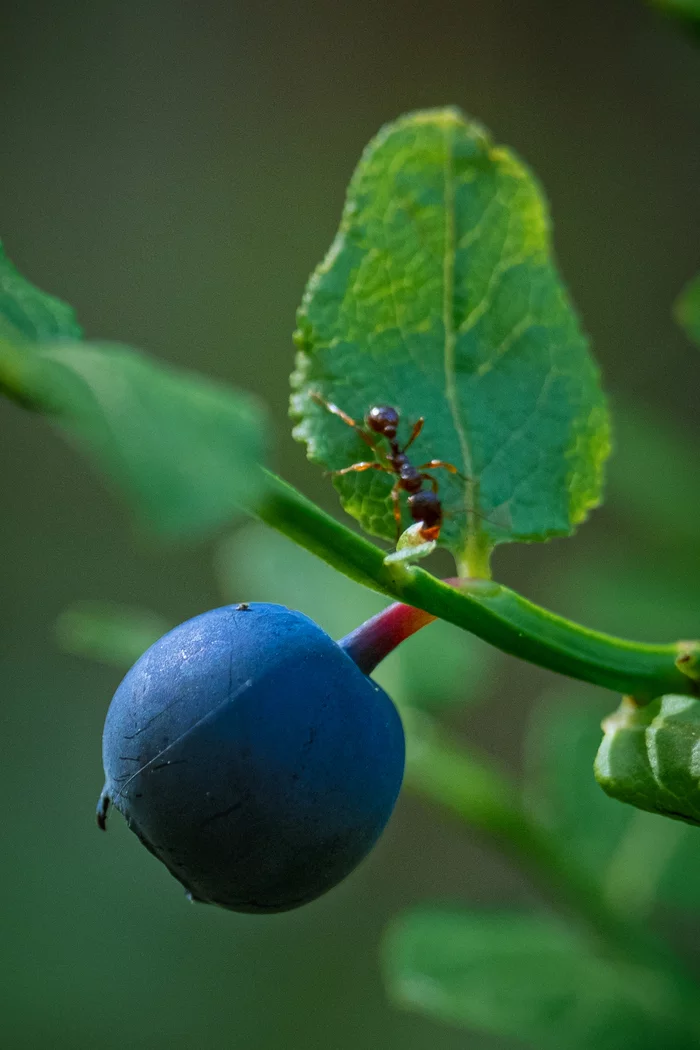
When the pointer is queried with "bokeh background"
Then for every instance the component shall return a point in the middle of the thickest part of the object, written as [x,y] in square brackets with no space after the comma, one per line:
[175,171]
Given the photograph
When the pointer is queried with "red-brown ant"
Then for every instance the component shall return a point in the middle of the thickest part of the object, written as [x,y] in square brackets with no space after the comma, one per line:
[424,505]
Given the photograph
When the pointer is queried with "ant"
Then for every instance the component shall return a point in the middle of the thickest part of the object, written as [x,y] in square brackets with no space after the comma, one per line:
[424,505]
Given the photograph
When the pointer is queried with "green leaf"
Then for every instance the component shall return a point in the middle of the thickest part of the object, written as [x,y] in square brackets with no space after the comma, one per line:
[687,307]
[648,757]
[439,296]
[183,448]
[511,974]
[636,855]
[639,856]
[110,633]
[439,666]
[29,313]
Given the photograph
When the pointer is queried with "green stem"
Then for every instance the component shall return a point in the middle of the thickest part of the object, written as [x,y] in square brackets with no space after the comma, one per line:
[487,609]
[476,559]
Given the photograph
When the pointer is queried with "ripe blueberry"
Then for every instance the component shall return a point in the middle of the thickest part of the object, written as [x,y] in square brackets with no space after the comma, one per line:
[253,757]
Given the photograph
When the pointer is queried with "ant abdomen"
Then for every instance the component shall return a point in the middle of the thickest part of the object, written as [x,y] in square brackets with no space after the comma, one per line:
[425,506]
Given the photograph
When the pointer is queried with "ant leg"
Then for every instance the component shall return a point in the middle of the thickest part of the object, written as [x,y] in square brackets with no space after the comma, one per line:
[335,411]
[436,463]
[358,467]
[395,498]
[432,480]
[417,427]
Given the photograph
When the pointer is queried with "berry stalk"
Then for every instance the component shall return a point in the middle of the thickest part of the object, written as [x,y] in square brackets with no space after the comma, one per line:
[374,639]
[369,643]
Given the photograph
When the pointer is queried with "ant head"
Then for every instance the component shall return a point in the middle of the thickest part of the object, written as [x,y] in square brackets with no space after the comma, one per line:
[383,419]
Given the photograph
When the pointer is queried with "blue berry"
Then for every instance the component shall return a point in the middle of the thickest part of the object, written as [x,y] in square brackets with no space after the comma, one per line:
[253,757]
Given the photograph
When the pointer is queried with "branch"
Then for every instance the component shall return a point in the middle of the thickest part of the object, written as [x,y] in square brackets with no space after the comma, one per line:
[487,609]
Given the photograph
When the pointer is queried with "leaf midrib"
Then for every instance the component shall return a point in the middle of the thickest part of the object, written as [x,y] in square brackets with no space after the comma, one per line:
[471,489]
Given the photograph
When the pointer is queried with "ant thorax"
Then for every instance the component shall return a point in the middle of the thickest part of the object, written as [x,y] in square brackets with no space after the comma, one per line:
[411,480]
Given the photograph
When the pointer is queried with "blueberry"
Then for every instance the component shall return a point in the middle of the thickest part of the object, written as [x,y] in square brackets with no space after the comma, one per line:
[253,757]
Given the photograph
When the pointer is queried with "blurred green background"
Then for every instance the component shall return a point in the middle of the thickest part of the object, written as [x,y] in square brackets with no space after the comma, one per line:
[175,171]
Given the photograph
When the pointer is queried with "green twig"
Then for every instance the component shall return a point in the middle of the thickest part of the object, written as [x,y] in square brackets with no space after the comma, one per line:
[489,610]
